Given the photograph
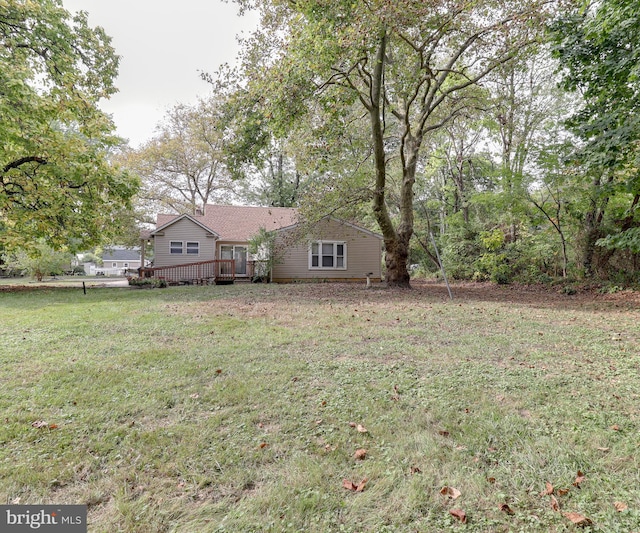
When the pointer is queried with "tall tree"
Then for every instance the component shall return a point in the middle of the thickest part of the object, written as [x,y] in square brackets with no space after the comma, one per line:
[183,166]
[406,64]
[56,181]
[598,45]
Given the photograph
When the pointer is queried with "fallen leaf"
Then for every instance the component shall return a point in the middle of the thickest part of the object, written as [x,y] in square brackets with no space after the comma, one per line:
[219,371]
[602,449]
[360,454]
[444,433]
[350,485]
[362,429]
[39,424]
[194,396]
[347,484]
[548,489]
[415,470]
[352,424]
[459,514]
[263,445]
[53,426]
[555,505]
[579,479]
[620,506]
[562,492]
[491,480]
[506,509]
[451,492]
[615,427]
[578,519]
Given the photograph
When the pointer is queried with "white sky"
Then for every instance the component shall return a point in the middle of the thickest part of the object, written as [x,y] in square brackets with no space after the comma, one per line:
[163,45]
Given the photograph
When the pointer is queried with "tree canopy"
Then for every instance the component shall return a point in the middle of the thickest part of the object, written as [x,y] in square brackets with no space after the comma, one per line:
[56,179]
[407,68]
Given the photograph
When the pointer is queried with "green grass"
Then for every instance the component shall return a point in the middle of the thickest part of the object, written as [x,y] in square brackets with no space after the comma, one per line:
[230,408]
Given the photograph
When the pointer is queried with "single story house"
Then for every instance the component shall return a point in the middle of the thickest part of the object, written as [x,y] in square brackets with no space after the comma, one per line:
[330,249]
[116,261]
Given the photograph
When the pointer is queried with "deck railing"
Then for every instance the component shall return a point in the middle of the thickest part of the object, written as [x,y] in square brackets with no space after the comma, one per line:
[217,271]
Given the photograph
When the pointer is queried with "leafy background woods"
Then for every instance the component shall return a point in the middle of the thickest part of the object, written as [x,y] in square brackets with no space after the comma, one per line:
[497,128]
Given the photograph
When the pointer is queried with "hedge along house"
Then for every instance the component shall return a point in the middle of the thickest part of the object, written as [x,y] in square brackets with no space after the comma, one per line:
[328,250]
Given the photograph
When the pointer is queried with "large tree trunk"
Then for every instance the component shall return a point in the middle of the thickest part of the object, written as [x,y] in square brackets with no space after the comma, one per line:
[396,242]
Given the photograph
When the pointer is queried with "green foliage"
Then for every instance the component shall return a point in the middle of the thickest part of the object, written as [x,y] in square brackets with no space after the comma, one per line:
[369,84]
[147,283]
[40,261]
[56,181]
[627,240]
[263,247]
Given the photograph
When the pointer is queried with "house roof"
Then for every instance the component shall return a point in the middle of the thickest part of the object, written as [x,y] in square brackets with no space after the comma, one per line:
[344,222]
[237,223]
[164,221]
[121,254]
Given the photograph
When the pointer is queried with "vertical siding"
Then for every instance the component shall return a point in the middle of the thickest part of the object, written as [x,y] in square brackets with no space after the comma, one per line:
[364,255]
[183,230]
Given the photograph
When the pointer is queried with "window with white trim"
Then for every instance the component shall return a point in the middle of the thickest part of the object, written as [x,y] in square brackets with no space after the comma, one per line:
[175,247]
[193,248]
[328,255]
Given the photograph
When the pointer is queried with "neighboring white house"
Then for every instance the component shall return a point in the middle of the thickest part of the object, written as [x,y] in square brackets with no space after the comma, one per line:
[116,261]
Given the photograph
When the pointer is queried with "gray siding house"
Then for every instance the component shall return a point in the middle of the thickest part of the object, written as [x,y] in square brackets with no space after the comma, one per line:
[330,249]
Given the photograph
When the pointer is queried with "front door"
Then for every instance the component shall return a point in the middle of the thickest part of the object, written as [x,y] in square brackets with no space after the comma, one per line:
[239,253]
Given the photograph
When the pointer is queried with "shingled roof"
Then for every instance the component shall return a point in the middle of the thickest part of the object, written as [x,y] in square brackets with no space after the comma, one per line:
[239,223]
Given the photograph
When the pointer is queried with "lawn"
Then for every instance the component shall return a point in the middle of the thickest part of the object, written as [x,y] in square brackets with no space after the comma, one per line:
[323,407]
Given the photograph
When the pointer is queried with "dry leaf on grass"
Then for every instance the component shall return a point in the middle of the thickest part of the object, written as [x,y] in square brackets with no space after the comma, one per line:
[555,505]
[548,489]
[451,492]
[459,514]
[620,506]
[350,485]
[578,519]
[360,454]
[579,479]
[506,509]
[359,427]
[263,445]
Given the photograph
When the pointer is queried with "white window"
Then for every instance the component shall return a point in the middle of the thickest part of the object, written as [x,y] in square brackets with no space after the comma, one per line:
[328,255]
[176,247]
[193,248]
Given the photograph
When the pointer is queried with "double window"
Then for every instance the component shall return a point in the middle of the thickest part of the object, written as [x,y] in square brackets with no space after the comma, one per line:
[327,255]
[179,247]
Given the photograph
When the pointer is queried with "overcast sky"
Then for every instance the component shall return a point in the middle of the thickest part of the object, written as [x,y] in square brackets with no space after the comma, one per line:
[164,45]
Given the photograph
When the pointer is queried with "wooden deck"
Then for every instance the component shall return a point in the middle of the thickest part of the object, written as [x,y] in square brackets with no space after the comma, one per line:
[216,271]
